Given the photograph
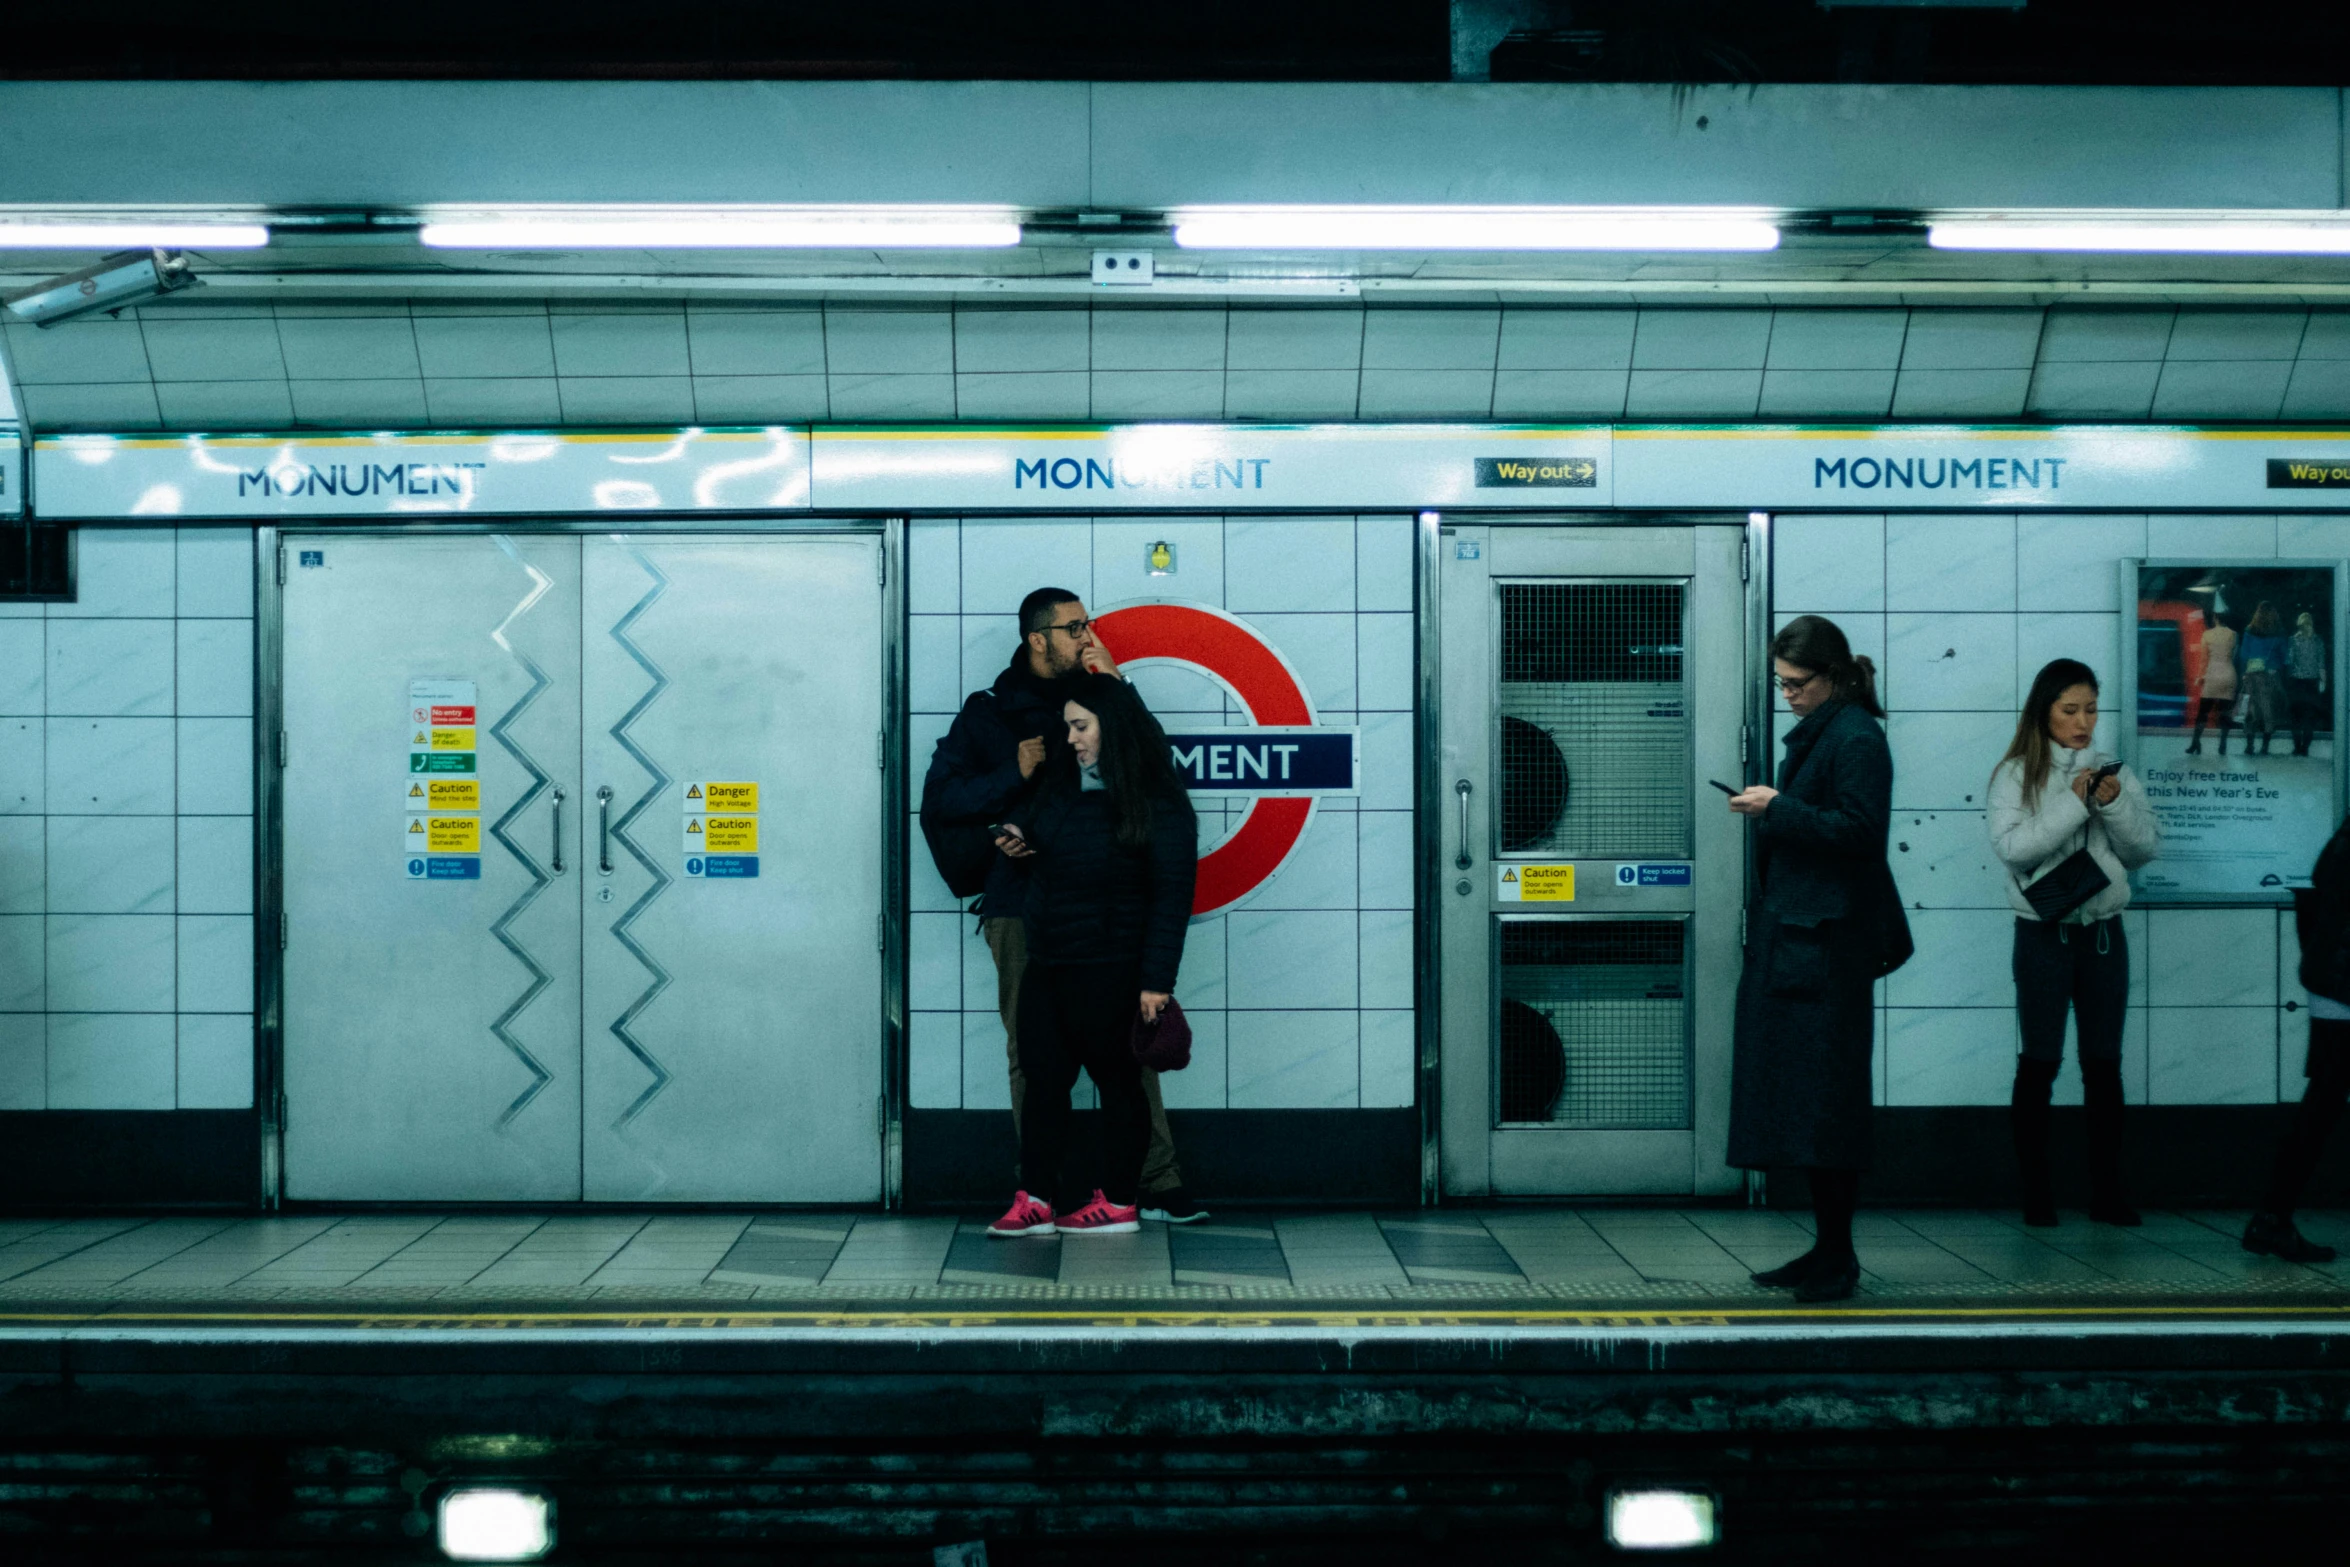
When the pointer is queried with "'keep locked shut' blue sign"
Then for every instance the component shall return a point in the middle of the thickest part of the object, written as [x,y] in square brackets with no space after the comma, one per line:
[1267,761]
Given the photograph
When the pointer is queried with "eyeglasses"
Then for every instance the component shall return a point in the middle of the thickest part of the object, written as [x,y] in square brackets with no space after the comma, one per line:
[1790,687]
[1073,628]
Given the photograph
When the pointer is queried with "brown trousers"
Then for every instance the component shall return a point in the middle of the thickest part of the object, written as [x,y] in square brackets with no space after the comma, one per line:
[1007,942]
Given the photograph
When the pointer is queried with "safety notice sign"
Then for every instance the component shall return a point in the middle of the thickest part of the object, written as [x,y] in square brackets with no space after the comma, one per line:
[722,834]
[444,794]
[1537,884]
[721,829]
[440,836]
[708,795]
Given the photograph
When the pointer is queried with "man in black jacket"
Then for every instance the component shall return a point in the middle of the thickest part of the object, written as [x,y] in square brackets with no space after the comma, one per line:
[985,766]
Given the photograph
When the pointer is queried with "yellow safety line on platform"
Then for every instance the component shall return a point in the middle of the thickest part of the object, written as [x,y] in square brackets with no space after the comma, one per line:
[1222,1319]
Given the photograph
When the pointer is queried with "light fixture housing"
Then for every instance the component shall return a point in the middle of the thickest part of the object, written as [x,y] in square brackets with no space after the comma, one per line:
[490,1523]
[2312,234]
[1474,228]
[1661,1519]
[826,228]
[116,236]
[117,282]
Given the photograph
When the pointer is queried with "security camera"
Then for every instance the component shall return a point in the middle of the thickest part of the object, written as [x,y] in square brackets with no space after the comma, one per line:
[119,280]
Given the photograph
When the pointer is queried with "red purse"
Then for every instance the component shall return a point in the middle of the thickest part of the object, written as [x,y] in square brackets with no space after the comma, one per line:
[1164,1046]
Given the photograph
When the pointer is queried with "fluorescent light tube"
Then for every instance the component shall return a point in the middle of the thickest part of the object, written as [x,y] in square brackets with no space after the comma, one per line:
[1467,228]
[830,231]
[132,236]
[1660,1520]
[2155,237]
[496,1524]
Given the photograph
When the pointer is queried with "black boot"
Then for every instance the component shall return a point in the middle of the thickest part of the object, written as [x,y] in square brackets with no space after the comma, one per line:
[2274,1235]
[1790,1275]
[2027,1119]
[2101,1094]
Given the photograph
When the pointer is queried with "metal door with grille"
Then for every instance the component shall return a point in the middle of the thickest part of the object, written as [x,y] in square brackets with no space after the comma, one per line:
[1593,681]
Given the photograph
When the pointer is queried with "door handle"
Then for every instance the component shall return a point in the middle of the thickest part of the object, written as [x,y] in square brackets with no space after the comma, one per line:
[604,830]
[1463,790]
[557,865]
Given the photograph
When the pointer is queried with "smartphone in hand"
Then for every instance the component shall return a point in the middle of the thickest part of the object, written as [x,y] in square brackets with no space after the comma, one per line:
[1725,788]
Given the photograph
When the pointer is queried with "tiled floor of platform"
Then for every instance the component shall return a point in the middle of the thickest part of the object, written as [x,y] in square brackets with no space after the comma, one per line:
[1632,1257]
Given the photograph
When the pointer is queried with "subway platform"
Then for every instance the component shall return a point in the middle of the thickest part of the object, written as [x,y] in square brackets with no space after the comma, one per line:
[1292,1387]
[1529,1264]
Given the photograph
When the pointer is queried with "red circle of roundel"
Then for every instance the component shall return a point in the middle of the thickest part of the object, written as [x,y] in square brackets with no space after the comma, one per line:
[1231,653]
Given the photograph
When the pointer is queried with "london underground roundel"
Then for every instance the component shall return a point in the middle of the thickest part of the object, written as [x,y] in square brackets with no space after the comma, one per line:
[1282,760]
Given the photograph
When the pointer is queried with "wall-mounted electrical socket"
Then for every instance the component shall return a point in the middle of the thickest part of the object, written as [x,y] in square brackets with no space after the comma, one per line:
[1121,268]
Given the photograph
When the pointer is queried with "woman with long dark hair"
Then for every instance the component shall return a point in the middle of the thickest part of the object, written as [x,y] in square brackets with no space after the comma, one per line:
[2055,796]
[1116,849]
[1827,925]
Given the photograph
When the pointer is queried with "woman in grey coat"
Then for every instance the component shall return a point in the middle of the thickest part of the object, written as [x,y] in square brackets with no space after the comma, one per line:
[1826,926]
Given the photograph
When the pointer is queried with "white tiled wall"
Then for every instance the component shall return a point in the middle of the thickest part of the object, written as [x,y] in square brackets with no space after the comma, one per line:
[1960,613]
[126,829]
[1300,997]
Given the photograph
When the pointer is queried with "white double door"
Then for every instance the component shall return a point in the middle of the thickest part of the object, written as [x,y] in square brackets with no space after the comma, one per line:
[589,1005]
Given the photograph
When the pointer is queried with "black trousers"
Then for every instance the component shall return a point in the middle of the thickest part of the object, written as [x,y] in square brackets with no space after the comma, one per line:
[1073,1016]
[2315,1117]
[2081,968]
[2308,705]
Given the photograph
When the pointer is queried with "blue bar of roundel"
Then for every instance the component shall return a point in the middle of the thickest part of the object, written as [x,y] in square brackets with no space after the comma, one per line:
[724,865]
[1245,761]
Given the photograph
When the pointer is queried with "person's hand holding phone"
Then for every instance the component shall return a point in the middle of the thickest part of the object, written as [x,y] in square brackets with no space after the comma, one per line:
[2106,786]
[1011,840]
[1753,800]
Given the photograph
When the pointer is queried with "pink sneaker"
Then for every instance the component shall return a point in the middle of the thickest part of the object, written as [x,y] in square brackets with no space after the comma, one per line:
[1101,1217]
[1027,1217]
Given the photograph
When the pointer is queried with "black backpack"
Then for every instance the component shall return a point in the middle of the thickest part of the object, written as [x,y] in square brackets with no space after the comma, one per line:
[963,851]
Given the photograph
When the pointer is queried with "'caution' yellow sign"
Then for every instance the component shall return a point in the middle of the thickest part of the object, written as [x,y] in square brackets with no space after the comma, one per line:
[444,794]
[1537,884]
[731,835]
[453,835]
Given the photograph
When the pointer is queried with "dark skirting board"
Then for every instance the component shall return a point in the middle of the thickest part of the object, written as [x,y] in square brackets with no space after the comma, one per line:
[2186,1156]
[52,1159]
[961,1158]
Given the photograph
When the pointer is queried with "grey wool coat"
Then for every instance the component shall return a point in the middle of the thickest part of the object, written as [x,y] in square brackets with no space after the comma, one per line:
[1826,925]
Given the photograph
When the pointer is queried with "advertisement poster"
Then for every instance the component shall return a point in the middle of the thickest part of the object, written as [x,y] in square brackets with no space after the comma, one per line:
[2235,735]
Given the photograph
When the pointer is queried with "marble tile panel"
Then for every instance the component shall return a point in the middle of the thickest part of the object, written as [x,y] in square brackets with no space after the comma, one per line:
[110,668]
[110,865]
[1951,663]
[112,1061]
[1950,562]
[110,766]
[1293,1060]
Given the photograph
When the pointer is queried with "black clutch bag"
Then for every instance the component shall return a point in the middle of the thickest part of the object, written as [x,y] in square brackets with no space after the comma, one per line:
[2076,879]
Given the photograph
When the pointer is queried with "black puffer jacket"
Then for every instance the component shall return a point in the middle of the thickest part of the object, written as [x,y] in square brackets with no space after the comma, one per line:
[974,776]
[2321,918]
[1093,900]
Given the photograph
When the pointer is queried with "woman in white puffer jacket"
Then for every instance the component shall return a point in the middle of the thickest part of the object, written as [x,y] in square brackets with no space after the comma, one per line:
[2047,803]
